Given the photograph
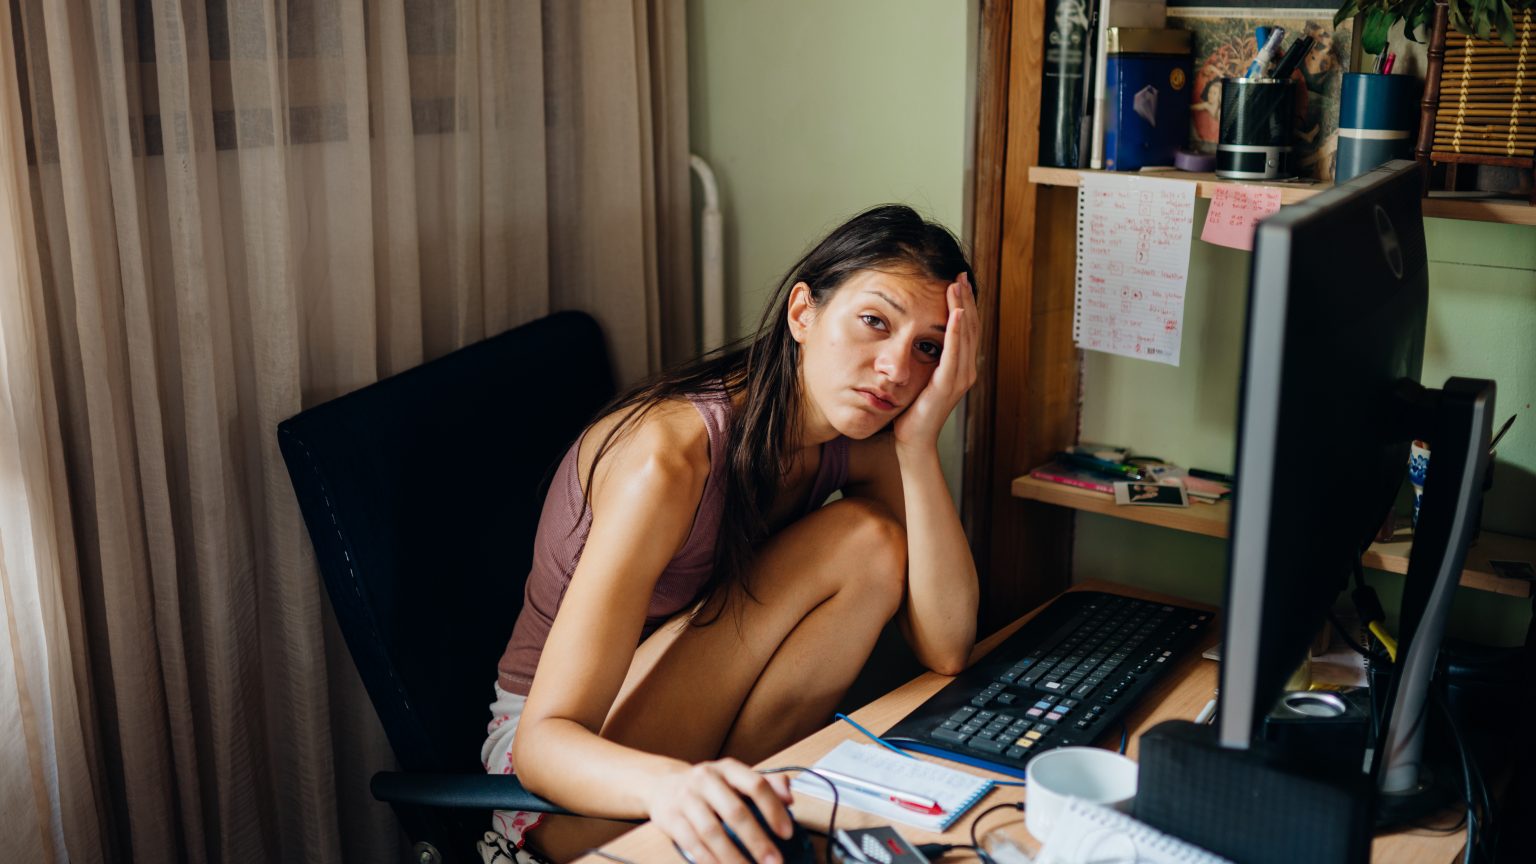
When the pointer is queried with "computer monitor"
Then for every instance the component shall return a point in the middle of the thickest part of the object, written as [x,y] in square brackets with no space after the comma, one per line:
[1329,404]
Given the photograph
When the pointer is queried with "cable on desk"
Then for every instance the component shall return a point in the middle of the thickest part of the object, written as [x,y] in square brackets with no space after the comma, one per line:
[976,843]
[1482,837]
[831,817]
[873,737]
[1125,736]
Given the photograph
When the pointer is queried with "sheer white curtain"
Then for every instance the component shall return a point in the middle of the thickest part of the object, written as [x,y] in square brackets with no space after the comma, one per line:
[212,215]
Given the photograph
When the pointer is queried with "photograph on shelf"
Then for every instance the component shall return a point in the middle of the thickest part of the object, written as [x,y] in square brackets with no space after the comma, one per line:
[1224,45]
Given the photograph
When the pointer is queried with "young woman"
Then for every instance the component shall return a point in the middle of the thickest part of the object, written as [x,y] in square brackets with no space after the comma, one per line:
[692,608]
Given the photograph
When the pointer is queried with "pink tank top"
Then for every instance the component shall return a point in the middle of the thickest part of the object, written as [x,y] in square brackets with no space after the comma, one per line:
[566,521]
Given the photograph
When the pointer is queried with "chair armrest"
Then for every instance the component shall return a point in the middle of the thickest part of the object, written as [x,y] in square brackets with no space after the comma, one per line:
[466,791]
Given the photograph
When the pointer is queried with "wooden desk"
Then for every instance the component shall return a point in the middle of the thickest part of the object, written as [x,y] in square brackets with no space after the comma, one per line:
[1180,695]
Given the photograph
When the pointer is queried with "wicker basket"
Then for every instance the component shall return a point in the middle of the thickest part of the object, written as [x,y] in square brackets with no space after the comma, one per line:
[1480,99]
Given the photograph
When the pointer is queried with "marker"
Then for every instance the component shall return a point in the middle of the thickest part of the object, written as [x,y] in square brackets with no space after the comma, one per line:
[1104,466]
[1293,57]
[869,787]
[1266,54]
[1210,475]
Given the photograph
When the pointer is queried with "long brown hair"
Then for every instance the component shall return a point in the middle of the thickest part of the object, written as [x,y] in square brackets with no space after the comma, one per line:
[760,443]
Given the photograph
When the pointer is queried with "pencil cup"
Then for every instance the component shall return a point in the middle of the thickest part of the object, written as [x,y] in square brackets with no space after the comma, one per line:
[1101,776]
[1377,116]
[1254,141]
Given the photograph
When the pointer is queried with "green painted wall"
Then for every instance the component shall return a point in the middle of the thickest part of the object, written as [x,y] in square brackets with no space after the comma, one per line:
[810,111]
[1482,323]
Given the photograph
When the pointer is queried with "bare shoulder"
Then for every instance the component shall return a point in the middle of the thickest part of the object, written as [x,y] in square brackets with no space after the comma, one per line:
[668,444]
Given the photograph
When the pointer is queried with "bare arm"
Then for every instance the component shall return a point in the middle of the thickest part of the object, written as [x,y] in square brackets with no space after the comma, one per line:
[902,470]
[643,502]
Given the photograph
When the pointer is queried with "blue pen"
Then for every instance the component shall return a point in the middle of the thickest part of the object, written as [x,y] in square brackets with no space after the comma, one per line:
[1260,36]
[1266,55]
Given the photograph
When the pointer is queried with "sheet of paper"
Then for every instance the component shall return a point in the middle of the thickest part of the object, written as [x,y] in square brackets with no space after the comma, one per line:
[1235,211]
[1133,236]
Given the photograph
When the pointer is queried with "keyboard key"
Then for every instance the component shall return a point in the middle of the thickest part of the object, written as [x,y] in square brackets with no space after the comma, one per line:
[950,735]
[963,714]
[1015,753]
[986,746]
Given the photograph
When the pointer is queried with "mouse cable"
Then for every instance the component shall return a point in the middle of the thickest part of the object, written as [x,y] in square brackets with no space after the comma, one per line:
[935,851]
[1475,838]
[831,817]
[975,842]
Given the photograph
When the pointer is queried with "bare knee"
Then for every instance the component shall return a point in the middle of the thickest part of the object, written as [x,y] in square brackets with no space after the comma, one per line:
[874,546]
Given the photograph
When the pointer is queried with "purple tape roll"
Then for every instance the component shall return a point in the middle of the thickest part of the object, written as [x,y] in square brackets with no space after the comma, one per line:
[1186,160]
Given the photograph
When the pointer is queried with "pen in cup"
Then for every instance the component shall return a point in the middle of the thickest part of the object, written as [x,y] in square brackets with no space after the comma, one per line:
[1293,57]
[908,800]
[1266,54]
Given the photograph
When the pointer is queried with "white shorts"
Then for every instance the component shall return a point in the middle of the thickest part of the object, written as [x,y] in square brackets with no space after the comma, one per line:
[509,827]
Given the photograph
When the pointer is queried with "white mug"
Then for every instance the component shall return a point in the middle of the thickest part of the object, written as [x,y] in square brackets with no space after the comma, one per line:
[1101,776]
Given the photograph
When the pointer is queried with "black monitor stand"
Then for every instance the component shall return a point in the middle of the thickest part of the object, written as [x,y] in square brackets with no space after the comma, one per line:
[1457,422]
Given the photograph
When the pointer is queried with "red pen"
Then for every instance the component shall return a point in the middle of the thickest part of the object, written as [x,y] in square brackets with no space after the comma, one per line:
[1386,68]
[908,800]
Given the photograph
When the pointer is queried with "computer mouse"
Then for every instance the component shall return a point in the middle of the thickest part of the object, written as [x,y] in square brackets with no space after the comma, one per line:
[796,849]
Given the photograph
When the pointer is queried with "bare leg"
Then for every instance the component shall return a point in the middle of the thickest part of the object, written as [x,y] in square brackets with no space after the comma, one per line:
[769,671]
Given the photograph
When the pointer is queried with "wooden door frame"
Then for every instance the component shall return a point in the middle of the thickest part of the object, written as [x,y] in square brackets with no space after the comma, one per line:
[1025,402]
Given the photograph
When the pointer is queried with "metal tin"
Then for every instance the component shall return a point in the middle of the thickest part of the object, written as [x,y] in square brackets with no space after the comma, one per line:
[1146,87]
[1149,40]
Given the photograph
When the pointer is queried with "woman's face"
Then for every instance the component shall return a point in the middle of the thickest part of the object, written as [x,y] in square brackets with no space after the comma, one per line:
[868,351]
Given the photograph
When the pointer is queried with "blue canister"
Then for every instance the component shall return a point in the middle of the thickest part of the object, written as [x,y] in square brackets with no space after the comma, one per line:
[1377,117]
[1146,84]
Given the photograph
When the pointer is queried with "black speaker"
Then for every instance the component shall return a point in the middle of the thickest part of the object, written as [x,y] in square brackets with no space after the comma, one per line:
[1321,725]
[1256,806]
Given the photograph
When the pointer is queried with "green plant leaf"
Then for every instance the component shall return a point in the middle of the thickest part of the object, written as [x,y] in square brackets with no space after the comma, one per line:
[1373,36]
[1506,23]
[1348,10]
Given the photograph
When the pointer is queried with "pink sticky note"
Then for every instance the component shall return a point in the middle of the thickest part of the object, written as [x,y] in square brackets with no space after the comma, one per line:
[1235,210]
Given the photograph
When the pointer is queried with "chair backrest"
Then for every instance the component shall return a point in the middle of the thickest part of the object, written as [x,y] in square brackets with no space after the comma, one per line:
[422,494]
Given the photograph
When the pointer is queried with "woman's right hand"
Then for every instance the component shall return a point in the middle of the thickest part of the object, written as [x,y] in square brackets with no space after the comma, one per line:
[690,805]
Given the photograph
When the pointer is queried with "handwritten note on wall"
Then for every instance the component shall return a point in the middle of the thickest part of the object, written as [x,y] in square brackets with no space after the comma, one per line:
[1133,236]
[1235,211]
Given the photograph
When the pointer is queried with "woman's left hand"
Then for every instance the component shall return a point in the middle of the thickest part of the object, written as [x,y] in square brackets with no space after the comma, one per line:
[919,425]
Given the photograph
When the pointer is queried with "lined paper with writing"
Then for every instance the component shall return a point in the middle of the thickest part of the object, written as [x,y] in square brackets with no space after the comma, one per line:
[1133,236]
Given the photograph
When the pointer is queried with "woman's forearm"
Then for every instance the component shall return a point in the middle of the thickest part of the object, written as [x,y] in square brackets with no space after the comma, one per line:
[941,575]
[560,760]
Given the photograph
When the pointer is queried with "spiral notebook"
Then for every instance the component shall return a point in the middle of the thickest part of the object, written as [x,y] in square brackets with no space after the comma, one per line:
[955,791]
[1085,832]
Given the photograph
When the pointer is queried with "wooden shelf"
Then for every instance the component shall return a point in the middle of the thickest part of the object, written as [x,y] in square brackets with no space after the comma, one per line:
[1473,209]
[1208,519]
[1211,520]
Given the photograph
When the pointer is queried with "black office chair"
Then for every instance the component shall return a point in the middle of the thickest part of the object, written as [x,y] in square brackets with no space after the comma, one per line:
[422,493]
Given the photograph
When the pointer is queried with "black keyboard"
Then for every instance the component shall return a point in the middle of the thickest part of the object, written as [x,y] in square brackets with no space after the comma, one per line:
[1066,677]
